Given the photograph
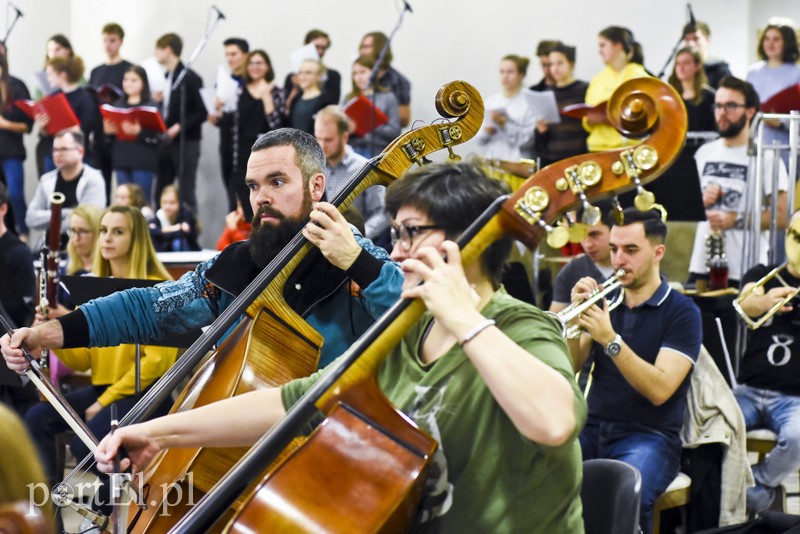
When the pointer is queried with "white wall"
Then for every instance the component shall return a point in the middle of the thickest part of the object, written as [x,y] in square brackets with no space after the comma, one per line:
[438,42]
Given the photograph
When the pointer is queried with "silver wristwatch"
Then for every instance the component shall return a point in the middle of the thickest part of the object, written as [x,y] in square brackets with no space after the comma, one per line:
[613,348]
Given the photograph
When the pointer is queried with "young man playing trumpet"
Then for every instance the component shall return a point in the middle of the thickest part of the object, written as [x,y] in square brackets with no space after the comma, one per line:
[644,351]
[769,388]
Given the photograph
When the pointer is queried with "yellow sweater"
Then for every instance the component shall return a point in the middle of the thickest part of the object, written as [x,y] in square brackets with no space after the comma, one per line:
[604,137]
[116,366]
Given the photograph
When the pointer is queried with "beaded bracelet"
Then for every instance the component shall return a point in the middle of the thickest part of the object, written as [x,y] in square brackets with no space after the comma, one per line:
[477,330]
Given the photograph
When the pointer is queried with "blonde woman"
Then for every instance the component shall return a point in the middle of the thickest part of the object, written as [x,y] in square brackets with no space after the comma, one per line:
[123,250]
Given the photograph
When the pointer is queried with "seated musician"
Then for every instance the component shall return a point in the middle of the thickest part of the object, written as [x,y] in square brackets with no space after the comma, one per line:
[339,298]
[594,262]
[769,387]
[644,351]
[508,460]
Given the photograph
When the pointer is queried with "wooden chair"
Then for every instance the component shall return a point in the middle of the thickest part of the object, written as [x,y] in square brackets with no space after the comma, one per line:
[677,494]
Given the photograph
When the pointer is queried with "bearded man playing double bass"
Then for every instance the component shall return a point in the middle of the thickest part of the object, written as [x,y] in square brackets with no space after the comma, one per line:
[285,175]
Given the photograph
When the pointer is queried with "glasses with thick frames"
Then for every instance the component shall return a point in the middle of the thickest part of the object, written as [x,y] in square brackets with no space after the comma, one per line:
[405,233]
[728,106]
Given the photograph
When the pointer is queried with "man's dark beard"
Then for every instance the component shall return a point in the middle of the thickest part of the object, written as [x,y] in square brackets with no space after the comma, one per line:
[734,128]
[266,241]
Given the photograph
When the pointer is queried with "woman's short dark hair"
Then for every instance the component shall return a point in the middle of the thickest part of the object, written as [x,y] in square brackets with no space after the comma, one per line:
[453,196]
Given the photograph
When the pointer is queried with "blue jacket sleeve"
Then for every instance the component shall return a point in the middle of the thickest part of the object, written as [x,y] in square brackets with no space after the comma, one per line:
[384,289]
[142,315]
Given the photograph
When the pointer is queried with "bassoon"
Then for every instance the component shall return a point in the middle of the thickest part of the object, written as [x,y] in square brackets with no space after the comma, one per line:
[48,260]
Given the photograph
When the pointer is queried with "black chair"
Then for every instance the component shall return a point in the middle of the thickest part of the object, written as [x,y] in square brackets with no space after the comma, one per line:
[610,494]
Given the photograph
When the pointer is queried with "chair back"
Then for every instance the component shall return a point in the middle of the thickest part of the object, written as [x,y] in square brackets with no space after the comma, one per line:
[610,494]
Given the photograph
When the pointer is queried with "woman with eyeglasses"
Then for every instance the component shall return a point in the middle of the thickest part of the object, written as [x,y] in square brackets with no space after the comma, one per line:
[123,250]
[776,71]
[259,109]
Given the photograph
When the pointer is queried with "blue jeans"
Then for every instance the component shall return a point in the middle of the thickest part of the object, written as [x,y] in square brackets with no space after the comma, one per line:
[655,454]
[49,164]
[142,178]
[764,408]
[15,180]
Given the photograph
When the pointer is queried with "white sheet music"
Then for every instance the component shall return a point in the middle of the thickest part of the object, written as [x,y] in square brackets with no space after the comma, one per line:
[297,57]
[155,74]
[226,90]
[209,94]
[543,104]
[40,81]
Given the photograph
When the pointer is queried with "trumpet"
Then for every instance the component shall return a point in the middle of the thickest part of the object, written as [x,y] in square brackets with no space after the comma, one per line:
[573,311]
[755,324]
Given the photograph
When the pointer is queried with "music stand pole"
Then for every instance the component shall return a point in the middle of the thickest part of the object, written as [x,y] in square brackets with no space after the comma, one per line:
[373,76]
[177,83]
[17,16]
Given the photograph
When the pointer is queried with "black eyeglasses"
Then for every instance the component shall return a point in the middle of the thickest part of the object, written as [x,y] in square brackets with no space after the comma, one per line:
[728,106]
[405,233]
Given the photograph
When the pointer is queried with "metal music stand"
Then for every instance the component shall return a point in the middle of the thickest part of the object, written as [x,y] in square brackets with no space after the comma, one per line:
[82,289]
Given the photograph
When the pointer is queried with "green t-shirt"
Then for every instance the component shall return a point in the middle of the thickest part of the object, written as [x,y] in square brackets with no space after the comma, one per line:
[486,476]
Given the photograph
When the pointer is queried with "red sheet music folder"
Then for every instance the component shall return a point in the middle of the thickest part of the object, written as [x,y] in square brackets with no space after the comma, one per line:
[579,111]
[55,107]
[783,101]
[147,116]
[365,114]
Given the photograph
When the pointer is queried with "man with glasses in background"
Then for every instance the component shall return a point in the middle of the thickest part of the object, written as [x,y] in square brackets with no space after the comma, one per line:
[723,167]
[78,182]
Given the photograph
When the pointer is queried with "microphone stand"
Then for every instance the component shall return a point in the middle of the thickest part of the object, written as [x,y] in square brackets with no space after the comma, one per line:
[17,16]
[373,76]
[182,113]
[670,58]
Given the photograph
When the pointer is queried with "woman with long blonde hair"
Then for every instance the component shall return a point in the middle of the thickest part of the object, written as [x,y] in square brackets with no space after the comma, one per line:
[123,250]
